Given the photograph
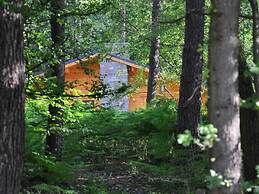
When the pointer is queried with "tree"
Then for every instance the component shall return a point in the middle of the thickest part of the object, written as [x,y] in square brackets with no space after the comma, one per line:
[123,21]
[250,174]
[223,92]
[255,12]
[247,121]
[154,53]
[191,77]
[12,97]
[54,138]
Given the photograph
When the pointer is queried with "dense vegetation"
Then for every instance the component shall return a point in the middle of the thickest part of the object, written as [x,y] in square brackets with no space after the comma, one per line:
[102,145]
[53,142]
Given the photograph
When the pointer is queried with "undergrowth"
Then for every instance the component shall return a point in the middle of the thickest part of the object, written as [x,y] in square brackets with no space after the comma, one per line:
[97,140]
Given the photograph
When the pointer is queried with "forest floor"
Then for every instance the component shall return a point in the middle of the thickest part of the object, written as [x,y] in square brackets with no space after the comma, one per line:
[104,153]
[122,177]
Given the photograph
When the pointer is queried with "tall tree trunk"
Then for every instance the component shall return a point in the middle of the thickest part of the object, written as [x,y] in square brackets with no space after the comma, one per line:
[11,97]
[123,21]
[54,138]
[255,11]
[191,77]
[223,93]
[247,122]
[154,52]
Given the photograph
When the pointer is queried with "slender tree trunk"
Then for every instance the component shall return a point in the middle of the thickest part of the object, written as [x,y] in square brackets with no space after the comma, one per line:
[54,139]
[154,53]
[247,122]
[58,35]
[223,93]
[191,77]
[123,21]
[11,98]
[255,11]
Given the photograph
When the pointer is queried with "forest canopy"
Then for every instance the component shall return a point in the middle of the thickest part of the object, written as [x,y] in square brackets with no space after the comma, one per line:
[129,96]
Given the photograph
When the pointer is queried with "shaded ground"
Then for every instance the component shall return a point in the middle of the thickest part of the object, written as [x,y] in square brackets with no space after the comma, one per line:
[123,177]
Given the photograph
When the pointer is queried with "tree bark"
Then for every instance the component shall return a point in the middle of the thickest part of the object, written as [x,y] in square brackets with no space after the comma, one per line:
[247,122]
[191,77]
[12,98]
[154,53]
[223,93]
[255,11]
[54,138]
[123,21]
[57,36]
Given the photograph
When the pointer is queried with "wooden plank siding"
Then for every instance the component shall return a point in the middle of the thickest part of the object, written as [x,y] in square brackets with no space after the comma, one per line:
[82,81]
[170,91]
[76,73]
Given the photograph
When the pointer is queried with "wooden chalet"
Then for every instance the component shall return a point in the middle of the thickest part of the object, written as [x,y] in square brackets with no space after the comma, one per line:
[116,70]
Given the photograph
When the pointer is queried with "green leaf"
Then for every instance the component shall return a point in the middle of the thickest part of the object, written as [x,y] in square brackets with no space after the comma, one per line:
[185,139]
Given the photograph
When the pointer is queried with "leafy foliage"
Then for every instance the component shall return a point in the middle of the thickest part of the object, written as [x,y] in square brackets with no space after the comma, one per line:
[144,140]
[207,137]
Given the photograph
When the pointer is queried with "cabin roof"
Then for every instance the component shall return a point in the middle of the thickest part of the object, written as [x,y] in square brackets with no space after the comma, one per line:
[125,61]
[76,59]
[123,58]
[109,56]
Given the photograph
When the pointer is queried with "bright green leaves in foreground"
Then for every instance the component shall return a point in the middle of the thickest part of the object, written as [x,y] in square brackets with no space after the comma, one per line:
[207,136]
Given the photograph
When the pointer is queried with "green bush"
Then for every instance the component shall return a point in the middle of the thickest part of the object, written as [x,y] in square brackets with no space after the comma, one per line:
[144,133]
[144,139]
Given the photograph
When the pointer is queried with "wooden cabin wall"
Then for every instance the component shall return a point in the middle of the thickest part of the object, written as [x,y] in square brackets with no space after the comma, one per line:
[137,99]
[170,90]
[84,81]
